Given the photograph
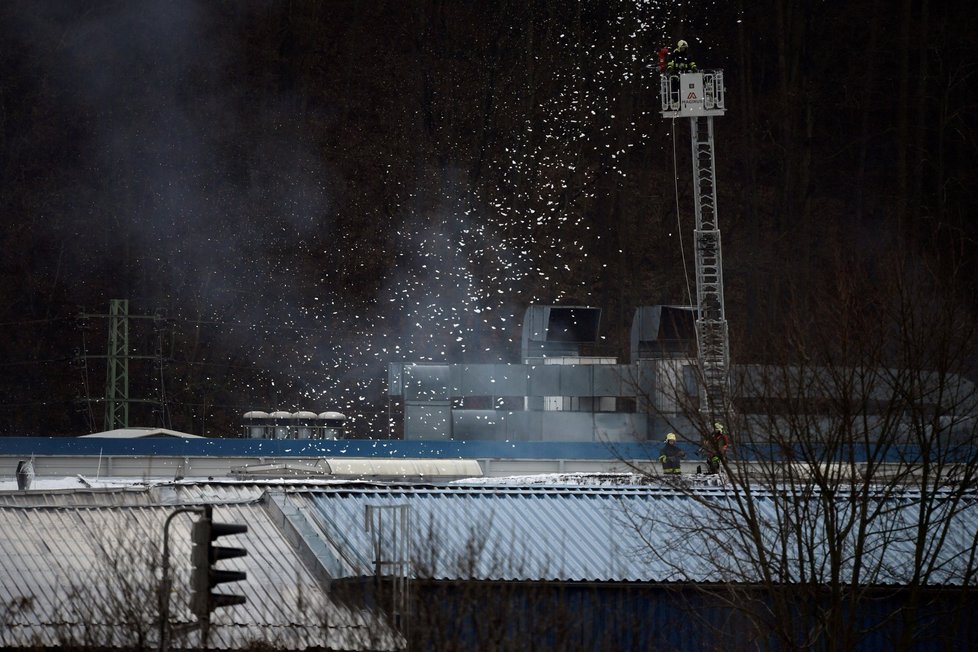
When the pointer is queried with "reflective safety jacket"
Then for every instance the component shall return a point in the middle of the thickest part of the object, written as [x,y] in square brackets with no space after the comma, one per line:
[670,456]
[680,62]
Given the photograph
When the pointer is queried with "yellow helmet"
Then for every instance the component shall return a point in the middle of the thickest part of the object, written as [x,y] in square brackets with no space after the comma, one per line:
[671,436]
[718,426]
[682,45]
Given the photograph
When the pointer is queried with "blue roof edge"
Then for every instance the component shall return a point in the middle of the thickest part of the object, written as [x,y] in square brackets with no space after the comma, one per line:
[383,448]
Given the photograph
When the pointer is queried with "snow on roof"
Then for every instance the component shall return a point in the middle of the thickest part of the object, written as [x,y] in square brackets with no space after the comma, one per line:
[580,479]
[217,488]
[139,433]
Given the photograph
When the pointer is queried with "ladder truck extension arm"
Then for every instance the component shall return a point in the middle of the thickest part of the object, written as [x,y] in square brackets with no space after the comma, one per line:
[699,96]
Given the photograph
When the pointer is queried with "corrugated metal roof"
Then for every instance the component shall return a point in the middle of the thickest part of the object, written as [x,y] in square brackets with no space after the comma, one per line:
[570,534]
[90,576]
[637,534]
[60,564]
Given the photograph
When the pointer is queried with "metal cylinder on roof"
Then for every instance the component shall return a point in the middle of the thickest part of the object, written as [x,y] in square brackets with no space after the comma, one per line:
[256,423]
[305,424]
[334,424]
[281,422]
[25,474]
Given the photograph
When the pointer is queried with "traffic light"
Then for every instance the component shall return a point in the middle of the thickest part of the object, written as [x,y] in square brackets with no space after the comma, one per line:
[204,577]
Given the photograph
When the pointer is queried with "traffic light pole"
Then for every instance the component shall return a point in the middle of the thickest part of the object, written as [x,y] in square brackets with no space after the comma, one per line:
[164,598]
[204,577]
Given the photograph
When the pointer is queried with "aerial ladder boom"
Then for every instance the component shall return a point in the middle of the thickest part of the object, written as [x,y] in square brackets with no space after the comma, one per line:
[699,96]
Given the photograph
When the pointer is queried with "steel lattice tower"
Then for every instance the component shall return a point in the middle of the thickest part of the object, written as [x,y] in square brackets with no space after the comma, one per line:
[117,367]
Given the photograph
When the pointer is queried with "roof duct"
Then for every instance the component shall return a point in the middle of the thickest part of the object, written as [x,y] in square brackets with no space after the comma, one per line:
[558,331]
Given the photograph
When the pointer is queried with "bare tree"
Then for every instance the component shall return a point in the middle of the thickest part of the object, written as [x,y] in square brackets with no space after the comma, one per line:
[851,480]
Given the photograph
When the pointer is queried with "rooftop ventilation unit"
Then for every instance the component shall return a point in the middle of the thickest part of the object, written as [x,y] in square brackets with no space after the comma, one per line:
[559,331]
[663,332]
[293,425]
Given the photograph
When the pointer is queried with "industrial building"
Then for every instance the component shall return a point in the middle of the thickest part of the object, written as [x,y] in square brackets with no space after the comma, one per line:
[353,566]
[442,538]
[560,391]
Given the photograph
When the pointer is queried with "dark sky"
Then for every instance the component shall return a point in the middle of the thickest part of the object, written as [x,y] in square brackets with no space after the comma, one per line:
[307,191]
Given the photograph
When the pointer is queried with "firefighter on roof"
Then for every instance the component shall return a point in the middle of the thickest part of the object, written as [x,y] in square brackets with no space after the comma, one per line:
[718,448]
[671,455]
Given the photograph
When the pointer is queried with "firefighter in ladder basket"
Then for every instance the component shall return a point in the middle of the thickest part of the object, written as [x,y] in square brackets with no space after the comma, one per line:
[674,62]
[678,60]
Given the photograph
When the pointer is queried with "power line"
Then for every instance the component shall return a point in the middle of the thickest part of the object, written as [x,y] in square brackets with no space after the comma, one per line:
[17,363]
[27,322]
[249,326]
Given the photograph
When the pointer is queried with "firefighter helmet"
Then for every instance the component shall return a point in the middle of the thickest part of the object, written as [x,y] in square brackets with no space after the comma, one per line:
[682,45]
[718,427]
[671,436]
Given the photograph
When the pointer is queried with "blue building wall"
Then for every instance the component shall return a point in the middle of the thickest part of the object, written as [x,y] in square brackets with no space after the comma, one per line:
[171,446]
[555,616]
[423,449]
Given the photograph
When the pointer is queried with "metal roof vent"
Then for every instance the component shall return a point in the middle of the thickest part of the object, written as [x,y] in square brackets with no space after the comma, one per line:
[663,332]
[559,331]
[25,474]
